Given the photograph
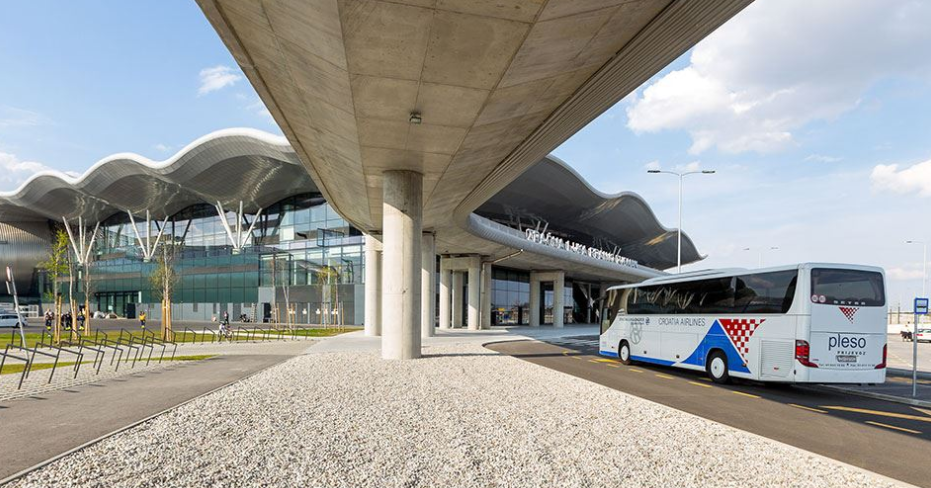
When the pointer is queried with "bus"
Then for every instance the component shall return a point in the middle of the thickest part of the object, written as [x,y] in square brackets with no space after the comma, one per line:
[806,323]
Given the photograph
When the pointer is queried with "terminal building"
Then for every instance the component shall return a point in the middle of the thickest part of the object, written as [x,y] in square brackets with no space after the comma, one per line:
[255,237]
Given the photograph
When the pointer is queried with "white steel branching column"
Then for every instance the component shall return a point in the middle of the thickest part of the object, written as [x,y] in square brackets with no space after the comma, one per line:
[402,227]
[428,285]
[148,248]
[446,278]
[83,245]
[237,238]
[475,281]
[372,286]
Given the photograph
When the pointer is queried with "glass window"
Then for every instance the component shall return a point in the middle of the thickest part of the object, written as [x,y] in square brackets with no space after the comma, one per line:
[765,292]
[848,286]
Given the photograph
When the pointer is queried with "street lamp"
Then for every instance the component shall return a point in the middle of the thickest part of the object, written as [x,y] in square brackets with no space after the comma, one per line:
[763,250]
[924,264]
[681,175]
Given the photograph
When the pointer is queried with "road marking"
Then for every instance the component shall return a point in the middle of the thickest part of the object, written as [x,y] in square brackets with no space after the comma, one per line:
[922,410]
[613,365]
[903,429]
[878,412]
[594,361]
[602,360]
[705,379]
[665,376]
[699,384]
[635,370]
[803,407]
[744,394]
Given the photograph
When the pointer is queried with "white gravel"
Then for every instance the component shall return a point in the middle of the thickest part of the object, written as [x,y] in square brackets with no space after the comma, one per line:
[469,418]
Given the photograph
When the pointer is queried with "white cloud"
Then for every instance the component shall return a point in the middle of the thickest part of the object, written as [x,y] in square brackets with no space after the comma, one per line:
[913,179]
[216,78]
[260,109]
[899,273]
[14,171]
[759,78]
[17,117]
[162,147]
[821,158]
[652,166]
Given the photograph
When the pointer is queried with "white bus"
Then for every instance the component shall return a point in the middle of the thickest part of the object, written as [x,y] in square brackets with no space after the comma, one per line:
[808,323]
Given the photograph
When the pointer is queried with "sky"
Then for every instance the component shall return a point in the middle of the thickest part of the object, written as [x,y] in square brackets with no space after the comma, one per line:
[816,117]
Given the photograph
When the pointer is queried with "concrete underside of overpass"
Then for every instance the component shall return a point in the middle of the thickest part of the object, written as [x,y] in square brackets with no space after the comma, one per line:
[409,115]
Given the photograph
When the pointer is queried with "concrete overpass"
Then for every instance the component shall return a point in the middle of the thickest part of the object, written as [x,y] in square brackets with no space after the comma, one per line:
[409,115]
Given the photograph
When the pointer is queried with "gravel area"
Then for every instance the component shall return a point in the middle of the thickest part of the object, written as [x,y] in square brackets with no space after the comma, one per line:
[464,416]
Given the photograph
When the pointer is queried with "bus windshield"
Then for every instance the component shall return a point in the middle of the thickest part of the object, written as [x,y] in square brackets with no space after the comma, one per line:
[848,286]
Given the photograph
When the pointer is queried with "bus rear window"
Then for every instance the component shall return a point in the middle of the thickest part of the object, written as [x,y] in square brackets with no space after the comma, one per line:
[848,287]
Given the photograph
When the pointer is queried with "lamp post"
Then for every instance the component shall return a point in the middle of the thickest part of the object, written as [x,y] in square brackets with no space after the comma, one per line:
[762,250]
[681,175]
[924,264]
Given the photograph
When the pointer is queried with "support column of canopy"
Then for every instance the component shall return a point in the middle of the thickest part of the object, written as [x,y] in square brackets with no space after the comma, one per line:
[147,248]
[372,286]
[486,296]
[401,267]
[457,299]
[534,299]
[559,299]
[474,286]
[428,285]
[446,277]
[237,238]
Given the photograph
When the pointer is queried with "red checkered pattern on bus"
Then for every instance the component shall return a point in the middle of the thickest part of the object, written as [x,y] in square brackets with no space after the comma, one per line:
[740,331]
[849,312]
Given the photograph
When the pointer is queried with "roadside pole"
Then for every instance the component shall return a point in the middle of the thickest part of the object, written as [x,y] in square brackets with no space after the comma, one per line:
[11,289]
[921,308]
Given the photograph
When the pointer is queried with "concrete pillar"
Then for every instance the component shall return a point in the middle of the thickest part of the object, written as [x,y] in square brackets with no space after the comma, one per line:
[559,284]
[428,285]
[402,228]
[457,299]
[372,286]
[485,320]
[475,284]
[445,289]
[534,299]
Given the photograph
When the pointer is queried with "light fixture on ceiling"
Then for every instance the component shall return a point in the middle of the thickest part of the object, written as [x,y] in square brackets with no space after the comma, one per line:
[415,118]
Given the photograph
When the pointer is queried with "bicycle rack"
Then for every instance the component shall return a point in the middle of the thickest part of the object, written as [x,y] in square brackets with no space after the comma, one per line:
[143,345]
[164,344]
[57,356]
[129,344]
[213,335]
[98,356]
[6,354]
[116,349]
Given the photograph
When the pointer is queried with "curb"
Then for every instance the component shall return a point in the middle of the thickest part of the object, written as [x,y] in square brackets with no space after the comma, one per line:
[877,396]
[16,476]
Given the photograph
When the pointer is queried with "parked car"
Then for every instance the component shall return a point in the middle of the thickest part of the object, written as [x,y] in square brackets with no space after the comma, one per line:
[924,335]
[8,319]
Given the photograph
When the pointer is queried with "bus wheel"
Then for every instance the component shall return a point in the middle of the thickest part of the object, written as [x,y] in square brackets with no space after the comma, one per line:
[717,367]
[623,352]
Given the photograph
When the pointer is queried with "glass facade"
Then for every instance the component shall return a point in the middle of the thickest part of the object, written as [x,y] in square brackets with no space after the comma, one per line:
[301,258]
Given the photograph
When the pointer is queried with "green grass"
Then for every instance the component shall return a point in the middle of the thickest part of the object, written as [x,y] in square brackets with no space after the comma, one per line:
[18,368]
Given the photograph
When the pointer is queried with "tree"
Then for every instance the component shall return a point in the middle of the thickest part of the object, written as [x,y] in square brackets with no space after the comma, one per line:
[55,266]
[327,279]
[163,280]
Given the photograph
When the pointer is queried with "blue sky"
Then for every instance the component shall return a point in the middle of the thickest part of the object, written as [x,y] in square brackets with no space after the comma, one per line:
[819,126]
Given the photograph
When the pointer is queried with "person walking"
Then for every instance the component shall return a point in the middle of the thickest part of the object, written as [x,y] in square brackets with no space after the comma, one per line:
[142,319]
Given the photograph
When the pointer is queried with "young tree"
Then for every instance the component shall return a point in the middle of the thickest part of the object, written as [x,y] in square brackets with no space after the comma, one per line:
[55,266]
[163,279]
[327,277]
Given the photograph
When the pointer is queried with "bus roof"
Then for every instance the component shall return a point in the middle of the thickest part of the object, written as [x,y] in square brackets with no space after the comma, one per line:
[728,272]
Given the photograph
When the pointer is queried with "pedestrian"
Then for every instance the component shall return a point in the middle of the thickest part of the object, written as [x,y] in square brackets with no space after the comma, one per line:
[49,318]
[81,319]
[142,319]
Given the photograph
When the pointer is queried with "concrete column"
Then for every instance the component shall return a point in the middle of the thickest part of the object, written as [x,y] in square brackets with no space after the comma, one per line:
[457,299]
[559,283]
[445,285]
[402,227]
[372,286]
[588,303]
[428,285]
[534,300]
[485,320]
[475,284]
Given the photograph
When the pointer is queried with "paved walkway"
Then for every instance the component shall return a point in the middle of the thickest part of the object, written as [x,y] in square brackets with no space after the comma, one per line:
[38,428]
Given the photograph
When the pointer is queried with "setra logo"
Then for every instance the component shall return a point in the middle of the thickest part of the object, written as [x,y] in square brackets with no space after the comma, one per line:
[849,312]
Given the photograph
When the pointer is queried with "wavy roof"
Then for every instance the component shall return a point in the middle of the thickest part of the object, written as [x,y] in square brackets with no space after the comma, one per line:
[227,166]
[260,169]
[554,193]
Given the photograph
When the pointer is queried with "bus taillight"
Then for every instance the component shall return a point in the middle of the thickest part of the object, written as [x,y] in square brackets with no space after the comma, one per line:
[882,364]
[802,351]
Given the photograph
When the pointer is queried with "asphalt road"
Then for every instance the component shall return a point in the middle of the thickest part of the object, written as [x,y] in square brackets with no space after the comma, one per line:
[887,438]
